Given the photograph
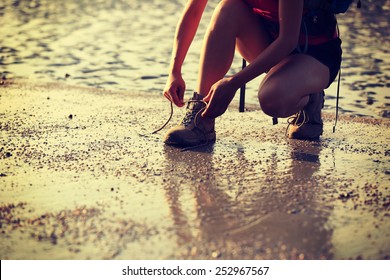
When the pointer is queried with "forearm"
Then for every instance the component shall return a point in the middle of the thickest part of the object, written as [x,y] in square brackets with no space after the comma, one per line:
[271,56]
[185,33]
[290,15]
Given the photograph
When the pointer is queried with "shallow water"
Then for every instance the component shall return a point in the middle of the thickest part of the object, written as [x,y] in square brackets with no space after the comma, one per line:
[126,45]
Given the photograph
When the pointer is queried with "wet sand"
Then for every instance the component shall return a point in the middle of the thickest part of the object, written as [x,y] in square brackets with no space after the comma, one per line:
[79,181]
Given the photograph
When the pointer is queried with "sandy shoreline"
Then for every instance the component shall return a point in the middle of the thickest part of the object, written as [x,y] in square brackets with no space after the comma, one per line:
[78,181]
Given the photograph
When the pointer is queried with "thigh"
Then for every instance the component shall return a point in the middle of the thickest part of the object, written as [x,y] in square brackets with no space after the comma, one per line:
[252,37]
[295,77]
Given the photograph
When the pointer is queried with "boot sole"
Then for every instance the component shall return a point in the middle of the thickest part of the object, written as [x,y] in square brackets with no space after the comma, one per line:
[185,143]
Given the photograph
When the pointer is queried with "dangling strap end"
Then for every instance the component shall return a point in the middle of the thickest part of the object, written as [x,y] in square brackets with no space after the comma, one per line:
[274,121]
[337,102]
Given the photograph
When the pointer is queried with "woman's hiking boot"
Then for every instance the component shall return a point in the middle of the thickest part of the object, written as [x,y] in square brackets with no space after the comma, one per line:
[194,129]
[307,123]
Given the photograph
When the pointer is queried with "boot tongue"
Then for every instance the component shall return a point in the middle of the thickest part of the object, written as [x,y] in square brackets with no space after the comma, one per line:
[197,96]
[196,105]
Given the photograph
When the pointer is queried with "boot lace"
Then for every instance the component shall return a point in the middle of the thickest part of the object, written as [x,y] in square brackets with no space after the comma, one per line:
[192,114]
[298,119]
[166,123]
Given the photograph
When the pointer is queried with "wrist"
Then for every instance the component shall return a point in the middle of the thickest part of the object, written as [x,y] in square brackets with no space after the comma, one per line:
[175,66]
[175,71]
[236,81]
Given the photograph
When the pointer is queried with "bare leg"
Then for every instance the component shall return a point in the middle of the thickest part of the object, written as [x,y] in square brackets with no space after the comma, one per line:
[286,88]
[233,23]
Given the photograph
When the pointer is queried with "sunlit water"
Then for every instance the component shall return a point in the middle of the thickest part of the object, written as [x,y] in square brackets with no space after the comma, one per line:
[126,45]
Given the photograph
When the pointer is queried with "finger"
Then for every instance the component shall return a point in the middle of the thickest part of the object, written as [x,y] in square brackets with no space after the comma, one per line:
[180,94]
[208,112]
[174,98]
[210,104]
[212,114]
[205,113]
[207,97]
[213,109]
[167,96]
[177,101]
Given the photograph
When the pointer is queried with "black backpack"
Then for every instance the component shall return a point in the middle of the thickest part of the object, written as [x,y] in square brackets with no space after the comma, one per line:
[335,6]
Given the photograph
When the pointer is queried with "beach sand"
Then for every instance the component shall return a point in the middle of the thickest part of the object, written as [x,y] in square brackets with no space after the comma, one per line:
[81,178]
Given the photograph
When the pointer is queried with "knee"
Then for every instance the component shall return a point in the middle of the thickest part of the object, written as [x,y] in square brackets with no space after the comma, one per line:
[228,9]
[272,103]
[229,5]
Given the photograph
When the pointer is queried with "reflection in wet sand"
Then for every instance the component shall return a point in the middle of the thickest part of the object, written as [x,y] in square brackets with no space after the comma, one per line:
[260,220]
